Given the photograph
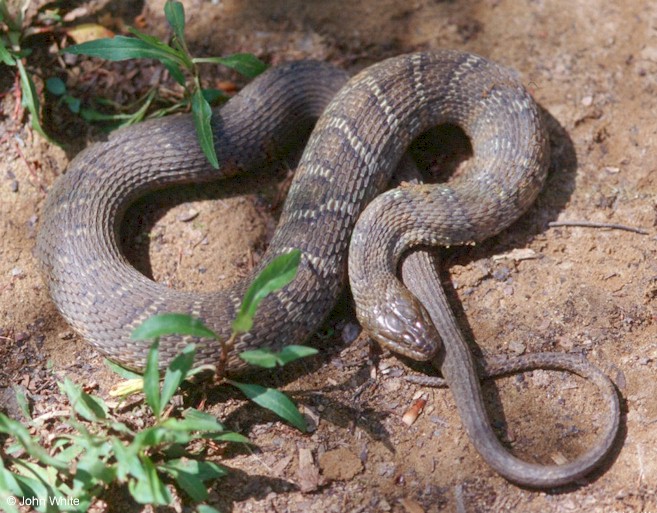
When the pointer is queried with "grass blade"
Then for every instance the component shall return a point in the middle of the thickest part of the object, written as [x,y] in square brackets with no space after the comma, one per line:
[176,373]
[275,401]
[152,380]
[202,114]
[244,63]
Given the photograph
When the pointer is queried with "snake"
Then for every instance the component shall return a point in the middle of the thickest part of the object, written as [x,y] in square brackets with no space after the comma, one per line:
[361,128]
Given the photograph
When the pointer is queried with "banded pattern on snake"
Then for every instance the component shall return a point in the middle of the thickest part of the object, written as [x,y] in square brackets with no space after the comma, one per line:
[359,139]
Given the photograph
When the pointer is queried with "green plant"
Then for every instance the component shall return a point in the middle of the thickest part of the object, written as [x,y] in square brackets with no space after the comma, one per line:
[97,450]
[181,65]
[72,468]
[12,53]
[277,274]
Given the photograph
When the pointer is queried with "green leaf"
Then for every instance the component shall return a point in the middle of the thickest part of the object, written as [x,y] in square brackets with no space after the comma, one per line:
[175,14]
[22,435]
[244,63]
[229,436]
[5,56]
[172,324]
[186,478]
[72,103]
[120,48]
[56,86]
[212,95]
[295,352]
[89,407]
[149,489]
[176,373]
[273,400]
[195,420]
[278,273]
[152,380]
[31,100]
[265,358]
[127,462]
[202,114]
[122,371]
[268,359]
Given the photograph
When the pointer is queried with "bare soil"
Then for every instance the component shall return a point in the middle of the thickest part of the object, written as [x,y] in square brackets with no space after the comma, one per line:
[592,65]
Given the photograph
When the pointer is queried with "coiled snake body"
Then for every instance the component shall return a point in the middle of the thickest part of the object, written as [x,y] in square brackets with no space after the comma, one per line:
[357,143]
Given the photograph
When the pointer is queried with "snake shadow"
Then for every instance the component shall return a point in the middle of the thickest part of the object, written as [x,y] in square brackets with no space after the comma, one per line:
[555,195]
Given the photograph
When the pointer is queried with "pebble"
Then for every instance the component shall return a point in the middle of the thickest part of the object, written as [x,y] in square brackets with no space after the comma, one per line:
[17,272]
[350,332]
[185,217]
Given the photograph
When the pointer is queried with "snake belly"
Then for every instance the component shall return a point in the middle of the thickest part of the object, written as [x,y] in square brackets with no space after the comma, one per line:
[356,144]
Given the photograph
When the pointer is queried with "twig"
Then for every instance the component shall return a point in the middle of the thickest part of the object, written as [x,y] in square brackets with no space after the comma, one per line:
[590,224]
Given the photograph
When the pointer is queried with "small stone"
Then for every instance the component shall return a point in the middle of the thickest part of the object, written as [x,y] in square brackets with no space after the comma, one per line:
[185,217]
[350,332]
[13,186]
[17,272]
[517,347]
[66,335]
[587,101]
[612,170]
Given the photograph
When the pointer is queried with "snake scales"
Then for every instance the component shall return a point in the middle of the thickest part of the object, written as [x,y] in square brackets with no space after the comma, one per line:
[357,142]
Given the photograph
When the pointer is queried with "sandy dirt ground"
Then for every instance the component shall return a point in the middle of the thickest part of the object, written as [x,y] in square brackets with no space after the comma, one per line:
[592,65]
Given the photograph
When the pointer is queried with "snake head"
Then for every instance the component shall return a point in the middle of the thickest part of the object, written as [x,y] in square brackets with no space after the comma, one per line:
[403,325]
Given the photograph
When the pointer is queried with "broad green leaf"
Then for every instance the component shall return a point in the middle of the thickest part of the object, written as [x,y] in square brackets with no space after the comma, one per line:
[175,54]
[276,275]
[5,56]
[120,48]
[56,86]
[176,373]
[202,115]
[264,358]
[244,63]
[195,420]
[89,407]
[295,352]
[149,489]
[152,380]
[92,468]
[175,14]
[162,434]
[273,400]
[172,324]
[186,478]
[269,359]
[127,462]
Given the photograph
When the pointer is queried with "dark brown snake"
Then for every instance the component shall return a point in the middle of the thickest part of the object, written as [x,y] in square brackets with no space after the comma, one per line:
[355,146]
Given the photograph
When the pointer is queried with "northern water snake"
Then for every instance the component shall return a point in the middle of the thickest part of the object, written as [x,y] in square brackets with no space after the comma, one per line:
[353,150]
